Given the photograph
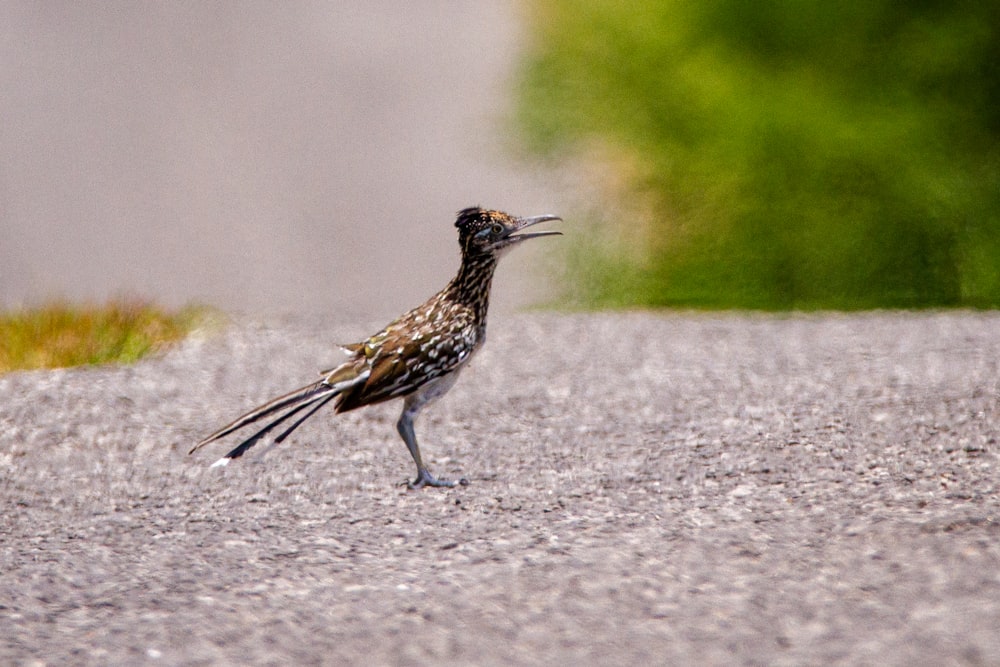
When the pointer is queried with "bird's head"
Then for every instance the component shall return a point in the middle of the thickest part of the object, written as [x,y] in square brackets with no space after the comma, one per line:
[482,232]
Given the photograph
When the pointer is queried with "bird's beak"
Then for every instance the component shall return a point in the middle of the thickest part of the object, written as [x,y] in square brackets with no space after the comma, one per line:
[523,223]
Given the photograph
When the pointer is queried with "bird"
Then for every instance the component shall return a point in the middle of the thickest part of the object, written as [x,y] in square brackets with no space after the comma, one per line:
[416,357]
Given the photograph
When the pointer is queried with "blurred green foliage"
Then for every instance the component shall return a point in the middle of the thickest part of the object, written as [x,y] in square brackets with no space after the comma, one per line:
[786,154]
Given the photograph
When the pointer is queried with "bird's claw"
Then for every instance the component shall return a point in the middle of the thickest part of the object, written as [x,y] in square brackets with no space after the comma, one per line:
[424,478]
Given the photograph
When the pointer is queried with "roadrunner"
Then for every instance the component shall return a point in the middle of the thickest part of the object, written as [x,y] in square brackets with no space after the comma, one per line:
[417,356]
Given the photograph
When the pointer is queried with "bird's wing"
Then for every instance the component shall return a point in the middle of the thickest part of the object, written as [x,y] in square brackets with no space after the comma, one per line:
[404,358]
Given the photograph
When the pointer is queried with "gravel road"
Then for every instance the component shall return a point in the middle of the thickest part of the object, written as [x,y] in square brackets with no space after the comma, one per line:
[645,488]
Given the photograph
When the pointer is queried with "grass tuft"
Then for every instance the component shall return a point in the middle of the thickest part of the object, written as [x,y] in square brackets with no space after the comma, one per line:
[60,334]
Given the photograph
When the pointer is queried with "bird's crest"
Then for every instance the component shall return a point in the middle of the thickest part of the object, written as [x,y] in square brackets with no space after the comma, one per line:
[471,218]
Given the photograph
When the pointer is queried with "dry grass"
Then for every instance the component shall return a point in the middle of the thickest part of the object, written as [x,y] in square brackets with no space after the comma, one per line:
[60,334]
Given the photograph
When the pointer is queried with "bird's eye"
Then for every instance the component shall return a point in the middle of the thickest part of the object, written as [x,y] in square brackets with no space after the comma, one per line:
[496,228]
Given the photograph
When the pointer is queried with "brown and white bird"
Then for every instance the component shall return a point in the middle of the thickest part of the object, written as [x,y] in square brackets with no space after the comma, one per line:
[417,356]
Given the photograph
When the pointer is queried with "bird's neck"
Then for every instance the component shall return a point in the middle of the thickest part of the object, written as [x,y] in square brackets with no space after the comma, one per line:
[472,284]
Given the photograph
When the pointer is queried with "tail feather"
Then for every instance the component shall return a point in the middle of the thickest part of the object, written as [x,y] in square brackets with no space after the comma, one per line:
[298,422]
[240,449]
[299,397]
[316,395]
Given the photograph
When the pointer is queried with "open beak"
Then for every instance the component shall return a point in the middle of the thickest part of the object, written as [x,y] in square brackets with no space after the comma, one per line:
[524,223]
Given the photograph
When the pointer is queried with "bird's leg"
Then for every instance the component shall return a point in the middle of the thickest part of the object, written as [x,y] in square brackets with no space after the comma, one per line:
[405,428]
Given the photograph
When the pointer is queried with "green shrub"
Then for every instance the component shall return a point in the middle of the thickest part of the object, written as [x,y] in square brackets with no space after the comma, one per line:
[782,154]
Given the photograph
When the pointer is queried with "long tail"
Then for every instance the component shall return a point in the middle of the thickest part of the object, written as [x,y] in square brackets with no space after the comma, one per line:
[314,395]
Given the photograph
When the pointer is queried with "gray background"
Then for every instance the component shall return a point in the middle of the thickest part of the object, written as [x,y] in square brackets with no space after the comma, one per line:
[262,157]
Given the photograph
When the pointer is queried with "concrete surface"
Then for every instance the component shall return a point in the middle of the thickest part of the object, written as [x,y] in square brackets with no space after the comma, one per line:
[645,489]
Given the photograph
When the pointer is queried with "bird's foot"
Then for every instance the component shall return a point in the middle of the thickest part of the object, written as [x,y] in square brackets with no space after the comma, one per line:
[425,478]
